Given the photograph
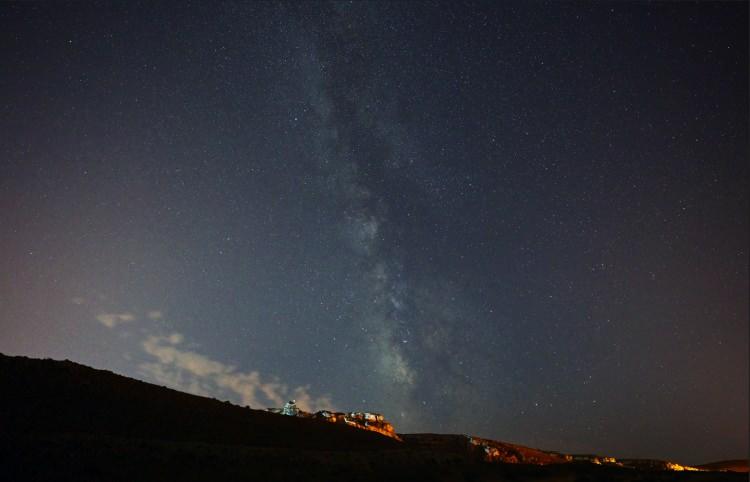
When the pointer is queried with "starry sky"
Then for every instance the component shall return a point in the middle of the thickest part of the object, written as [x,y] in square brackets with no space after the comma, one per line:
[523,221]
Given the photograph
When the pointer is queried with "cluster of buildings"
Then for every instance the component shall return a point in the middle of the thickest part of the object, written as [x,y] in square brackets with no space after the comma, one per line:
[373,422]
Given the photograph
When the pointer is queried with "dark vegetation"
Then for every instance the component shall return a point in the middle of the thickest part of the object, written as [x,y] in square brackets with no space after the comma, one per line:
[65,421]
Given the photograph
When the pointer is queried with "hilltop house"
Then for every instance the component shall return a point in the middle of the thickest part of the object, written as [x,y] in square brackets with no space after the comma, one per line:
[373,422]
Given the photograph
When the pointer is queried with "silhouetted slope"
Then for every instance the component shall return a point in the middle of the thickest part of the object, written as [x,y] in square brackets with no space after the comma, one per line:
[481,449]
[54,397]
[61,421]
[730,465]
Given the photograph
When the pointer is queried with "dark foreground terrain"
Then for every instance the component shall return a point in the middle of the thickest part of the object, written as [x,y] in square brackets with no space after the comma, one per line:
[65,421]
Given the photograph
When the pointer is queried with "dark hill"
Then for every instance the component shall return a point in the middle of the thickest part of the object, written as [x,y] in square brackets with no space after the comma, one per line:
[61,421]
[729,465]
[53,397]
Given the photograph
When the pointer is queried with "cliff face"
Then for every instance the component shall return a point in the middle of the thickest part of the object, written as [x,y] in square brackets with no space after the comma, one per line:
[494,451]
[485,450]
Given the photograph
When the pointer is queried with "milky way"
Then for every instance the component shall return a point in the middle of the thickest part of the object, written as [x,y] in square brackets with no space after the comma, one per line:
[527,222]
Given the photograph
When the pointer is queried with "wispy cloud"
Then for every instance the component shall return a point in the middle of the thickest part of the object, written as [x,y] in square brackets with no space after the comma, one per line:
[183,369]
[180,368]
[111,320]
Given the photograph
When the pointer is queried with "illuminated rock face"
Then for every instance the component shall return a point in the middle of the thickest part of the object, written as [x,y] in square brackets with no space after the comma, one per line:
[590,458]
[650,464]
[373,422]
[494,451]
[640,464]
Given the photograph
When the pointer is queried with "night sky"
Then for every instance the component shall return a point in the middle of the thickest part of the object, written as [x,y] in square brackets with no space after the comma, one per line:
[523,221]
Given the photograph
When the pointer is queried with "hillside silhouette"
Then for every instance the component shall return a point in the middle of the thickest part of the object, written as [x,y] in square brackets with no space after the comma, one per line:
[66,397]
[64,421]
